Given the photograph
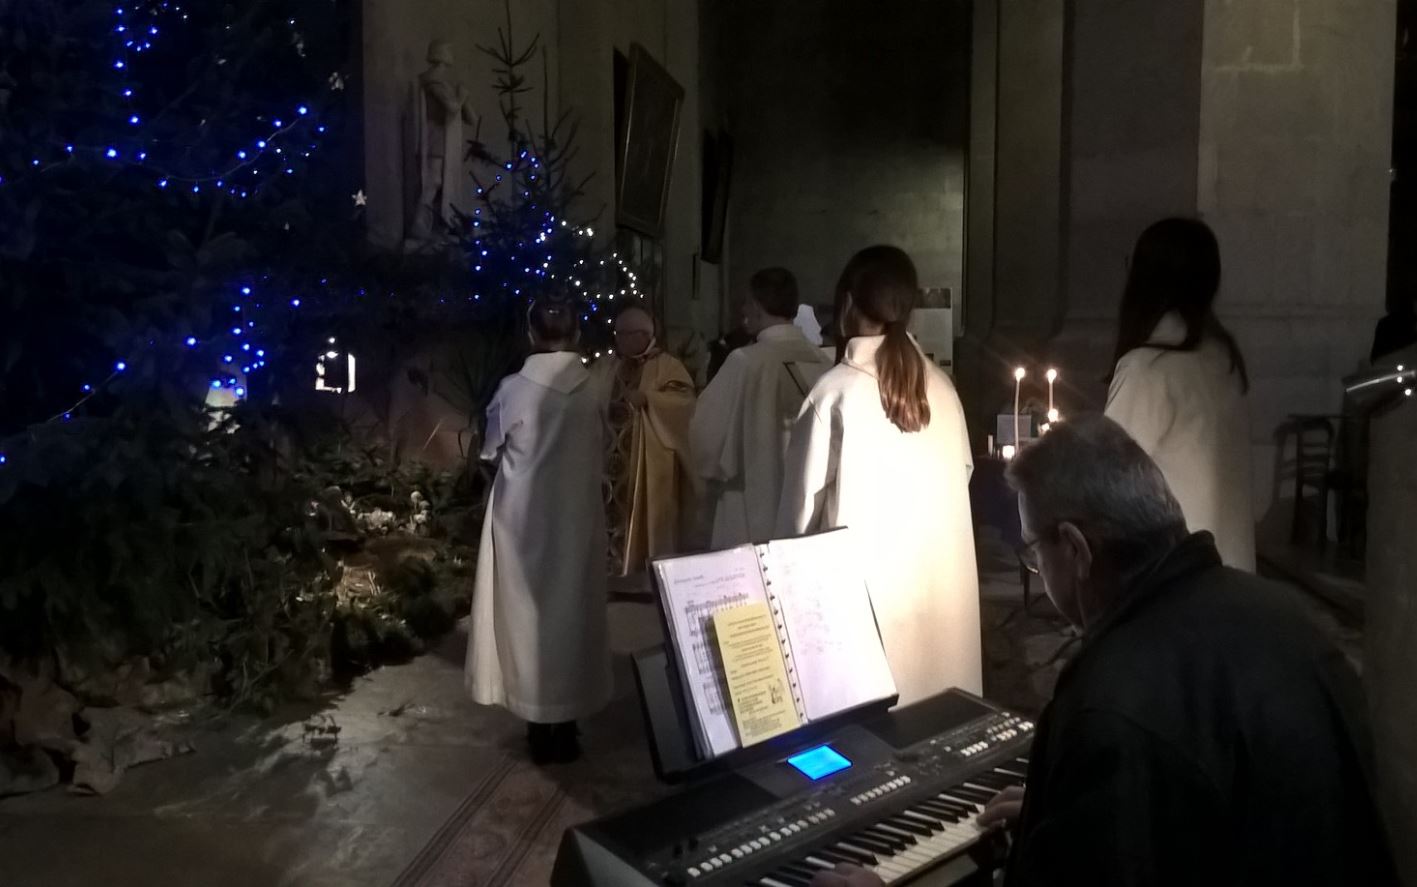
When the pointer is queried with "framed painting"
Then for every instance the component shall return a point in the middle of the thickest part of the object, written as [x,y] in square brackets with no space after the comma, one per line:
[649,136]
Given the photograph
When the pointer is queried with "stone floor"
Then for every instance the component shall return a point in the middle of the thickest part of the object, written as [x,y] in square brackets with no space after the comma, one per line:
[259,804]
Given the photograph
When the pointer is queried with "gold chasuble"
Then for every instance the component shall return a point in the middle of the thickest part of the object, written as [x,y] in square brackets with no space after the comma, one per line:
[650,495]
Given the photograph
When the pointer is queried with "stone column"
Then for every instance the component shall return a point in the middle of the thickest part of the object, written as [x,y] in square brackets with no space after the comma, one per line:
[1390,654]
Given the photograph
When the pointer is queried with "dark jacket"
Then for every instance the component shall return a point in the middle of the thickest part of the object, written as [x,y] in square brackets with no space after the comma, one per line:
[1206,733]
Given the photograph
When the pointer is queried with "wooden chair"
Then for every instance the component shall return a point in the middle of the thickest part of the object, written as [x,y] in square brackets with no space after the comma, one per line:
[1312,471]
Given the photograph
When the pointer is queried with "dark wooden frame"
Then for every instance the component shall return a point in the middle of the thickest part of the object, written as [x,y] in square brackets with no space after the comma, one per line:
[646,82]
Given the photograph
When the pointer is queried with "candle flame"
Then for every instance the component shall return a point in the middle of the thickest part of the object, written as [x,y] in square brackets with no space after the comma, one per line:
[1052,375]
[1019,374]
[1008,451]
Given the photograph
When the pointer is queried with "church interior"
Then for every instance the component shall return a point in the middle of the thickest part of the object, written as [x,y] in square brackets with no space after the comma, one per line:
[252,629]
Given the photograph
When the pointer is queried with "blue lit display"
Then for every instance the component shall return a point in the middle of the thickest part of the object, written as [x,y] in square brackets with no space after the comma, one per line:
[820,762]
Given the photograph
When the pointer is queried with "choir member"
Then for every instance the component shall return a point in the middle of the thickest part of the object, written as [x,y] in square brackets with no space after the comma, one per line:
[539,645]
[741,426]
[650,399]
[1179,385]
[880,447]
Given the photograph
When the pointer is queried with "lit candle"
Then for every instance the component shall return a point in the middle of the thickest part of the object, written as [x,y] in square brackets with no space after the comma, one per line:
[1052,376]
[1018,383]
[1007,452]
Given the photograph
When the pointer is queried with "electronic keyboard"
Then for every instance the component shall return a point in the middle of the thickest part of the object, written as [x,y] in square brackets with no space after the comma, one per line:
[898,794]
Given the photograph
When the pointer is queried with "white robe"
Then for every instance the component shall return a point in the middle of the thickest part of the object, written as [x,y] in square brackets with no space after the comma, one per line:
[741,428]
[1188,411]
[539,645]
[906,498]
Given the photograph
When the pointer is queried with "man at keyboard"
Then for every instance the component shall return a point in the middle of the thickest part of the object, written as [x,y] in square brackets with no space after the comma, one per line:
[1205,733]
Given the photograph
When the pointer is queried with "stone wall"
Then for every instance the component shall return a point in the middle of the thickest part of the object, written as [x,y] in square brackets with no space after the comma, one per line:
[1390,657]
[580,37]
[1295,148]
[849,123]
[1271,119]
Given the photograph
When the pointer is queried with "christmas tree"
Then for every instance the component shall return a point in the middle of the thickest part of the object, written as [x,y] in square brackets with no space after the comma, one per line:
[528,235]
[159,219]
[164,224]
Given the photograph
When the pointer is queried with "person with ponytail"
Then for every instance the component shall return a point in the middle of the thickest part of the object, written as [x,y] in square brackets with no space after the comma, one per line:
[880,447]
[1179,384]
[539,645]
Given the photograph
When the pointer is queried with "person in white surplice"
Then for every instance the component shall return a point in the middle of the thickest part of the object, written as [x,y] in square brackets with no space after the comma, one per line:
[539,644]
[881,447]
[1179,384]
[743,420]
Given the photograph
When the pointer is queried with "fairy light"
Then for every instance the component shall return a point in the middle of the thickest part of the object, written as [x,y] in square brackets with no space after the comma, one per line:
[134,38]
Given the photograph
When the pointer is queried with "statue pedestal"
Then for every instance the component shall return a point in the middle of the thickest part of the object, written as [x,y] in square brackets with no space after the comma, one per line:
[1390,655]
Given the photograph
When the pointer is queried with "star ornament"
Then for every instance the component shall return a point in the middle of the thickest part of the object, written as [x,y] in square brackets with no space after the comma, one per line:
[360,199]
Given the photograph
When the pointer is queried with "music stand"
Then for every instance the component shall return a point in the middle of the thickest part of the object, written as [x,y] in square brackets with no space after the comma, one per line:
[671,737]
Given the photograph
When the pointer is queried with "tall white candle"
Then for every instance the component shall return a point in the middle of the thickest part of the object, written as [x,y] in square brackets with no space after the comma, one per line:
[1018,383]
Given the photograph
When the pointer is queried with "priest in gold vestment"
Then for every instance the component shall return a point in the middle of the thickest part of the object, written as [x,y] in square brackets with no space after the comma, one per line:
[650,400]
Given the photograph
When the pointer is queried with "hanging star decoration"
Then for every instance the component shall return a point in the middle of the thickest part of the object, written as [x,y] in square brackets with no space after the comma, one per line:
[359,198]
[336,81]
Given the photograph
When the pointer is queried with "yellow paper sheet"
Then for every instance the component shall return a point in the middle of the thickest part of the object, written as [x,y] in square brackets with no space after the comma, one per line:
[753,665]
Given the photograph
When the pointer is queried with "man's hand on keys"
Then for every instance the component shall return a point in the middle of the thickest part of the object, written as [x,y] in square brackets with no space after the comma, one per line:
[1004,809]
[847,876]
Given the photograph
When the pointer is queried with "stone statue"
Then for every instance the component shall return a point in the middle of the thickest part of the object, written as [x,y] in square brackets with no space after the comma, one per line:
[440,110]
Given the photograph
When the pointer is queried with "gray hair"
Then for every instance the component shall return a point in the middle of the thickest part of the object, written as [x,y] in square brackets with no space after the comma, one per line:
[1088,472]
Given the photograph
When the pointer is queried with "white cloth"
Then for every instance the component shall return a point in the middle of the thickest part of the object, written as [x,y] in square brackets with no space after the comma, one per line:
[539,645]
[741,428]
[906,498]
[806,321]
[1187,410]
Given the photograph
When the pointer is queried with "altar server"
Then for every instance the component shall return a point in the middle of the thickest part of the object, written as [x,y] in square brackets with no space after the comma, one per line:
[539,645]
[1179,384]
[881,447]
[741,426]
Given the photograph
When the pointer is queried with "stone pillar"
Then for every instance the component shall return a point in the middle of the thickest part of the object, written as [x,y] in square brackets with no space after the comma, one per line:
[1132,98]
[1295,147]
[1390,655]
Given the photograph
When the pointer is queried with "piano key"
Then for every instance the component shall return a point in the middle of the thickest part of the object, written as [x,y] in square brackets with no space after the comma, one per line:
[981,796]
[877,863]
[857,855]
[994,781]
[771,882]
[896,839]
[951,812]
[817,860]
[930,823]
[834,857]
[971,806]
[795,879]
[801,869]
[899,833]
[876,845]
[919,829]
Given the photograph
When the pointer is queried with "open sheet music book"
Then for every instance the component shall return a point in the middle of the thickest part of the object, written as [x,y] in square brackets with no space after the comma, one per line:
[821,623]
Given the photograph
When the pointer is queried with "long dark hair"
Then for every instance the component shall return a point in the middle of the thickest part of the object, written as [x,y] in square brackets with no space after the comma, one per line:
[882,286]
[1175,266]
